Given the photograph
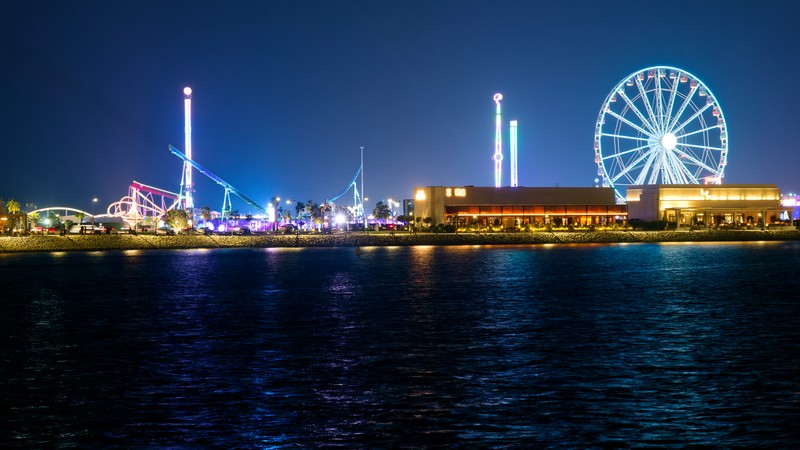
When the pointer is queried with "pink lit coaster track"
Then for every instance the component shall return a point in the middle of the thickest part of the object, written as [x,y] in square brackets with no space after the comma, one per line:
[143,202]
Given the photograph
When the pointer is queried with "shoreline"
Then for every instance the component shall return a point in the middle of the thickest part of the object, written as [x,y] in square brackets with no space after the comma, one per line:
[68,243]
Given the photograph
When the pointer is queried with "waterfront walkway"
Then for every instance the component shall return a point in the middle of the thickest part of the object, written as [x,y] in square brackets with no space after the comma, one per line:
[56,243]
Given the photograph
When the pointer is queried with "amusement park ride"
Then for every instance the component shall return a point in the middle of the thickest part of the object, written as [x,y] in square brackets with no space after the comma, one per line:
[145,202]
[659,125]
[358,205]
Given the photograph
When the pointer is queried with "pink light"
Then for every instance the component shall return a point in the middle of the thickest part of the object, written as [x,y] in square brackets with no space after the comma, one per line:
[187,108]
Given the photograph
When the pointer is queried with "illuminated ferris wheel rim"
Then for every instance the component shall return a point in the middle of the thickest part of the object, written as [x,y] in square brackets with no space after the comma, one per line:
[659,132]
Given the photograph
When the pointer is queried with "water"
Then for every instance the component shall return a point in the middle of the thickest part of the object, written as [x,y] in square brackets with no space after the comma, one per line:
[591,346]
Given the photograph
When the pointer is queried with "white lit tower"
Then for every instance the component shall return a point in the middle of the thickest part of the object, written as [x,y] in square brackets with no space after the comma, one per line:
[512,144]
[187,188]
[498,143]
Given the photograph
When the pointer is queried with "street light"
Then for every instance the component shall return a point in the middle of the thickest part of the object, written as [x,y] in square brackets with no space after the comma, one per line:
[94,202]
[363,212]
[275,219]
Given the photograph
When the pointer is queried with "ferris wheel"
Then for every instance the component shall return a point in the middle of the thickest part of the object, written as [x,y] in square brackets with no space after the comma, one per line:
[660,125]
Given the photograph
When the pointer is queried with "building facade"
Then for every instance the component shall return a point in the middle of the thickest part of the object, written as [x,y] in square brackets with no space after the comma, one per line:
[516,208]
[751,205]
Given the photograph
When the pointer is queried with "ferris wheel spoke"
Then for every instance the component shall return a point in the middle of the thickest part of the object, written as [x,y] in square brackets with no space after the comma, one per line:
[704,147]
[623,136]
[659,103]
[626,152]
[673,94]
[690,119]
[631,124]
[694,160]
[702,130]
[686,102]
[632,165]
[638,114]
[655,167]
[681,172]
[646,102]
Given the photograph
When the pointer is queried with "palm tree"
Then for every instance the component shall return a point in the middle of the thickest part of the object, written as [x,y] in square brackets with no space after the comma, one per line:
[80,216]
[12,206]
[205,213]
[34,218]
[382,211]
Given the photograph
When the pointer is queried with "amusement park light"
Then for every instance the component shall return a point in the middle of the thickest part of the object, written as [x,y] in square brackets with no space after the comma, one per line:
[498,143]
[187,91]
[669,141]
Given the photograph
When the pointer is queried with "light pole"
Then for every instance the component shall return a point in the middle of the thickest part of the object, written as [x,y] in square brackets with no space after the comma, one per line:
[363,211]
[289,207]
[275,221]
[94,202]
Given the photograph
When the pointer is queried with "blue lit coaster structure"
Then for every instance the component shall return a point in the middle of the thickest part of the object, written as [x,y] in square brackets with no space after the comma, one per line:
[229,189]
[357,210]
[660,125]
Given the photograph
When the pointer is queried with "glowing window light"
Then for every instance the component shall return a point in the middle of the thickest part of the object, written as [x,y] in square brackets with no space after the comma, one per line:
[420,195]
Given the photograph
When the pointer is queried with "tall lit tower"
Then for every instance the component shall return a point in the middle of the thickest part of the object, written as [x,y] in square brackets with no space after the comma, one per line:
[498,143]
[512,145]
[188,187]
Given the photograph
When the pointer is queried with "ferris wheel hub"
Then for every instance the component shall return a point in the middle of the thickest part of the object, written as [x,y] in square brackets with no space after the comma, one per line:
[669,141]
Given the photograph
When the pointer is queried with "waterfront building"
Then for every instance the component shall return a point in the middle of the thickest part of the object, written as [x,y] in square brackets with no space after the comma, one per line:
[707,205]
[517,208]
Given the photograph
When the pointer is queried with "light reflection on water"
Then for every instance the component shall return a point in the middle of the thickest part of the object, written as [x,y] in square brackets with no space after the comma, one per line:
[561,346]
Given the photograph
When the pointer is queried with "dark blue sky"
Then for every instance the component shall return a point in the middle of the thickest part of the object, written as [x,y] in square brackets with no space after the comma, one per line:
[285,92]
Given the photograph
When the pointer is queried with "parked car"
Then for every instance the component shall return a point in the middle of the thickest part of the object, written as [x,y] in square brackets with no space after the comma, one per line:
[44,230]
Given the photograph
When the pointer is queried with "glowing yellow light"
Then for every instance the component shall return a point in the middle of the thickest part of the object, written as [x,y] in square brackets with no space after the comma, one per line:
[460,192]
[420,195]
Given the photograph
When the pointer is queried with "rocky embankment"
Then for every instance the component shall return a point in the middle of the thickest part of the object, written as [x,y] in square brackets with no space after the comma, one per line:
[55,243]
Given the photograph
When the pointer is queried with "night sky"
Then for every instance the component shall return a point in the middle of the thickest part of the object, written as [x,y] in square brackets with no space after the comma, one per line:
[285,92]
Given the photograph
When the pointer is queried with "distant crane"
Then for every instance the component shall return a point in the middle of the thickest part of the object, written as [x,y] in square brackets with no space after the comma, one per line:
[226,202]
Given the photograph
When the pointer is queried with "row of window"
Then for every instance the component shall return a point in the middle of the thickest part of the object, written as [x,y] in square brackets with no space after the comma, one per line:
[536,210]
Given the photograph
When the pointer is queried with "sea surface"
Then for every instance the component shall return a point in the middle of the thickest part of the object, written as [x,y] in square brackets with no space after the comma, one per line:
[562,346]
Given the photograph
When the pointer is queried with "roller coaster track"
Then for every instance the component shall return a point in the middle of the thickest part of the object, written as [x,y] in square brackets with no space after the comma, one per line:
[356,196]
[229,189]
